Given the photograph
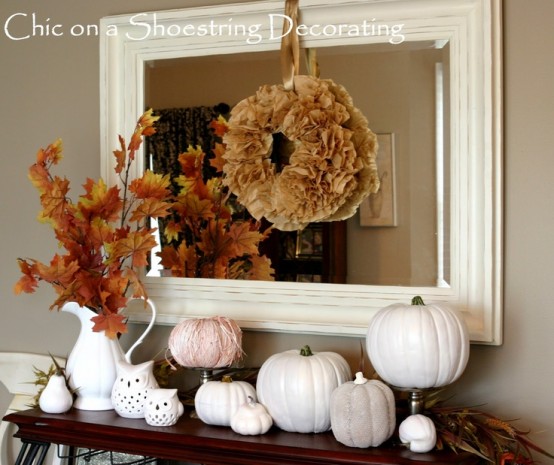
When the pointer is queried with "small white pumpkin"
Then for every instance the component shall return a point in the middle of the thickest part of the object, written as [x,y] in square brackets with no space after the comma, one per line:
[363,413]
[251,418]
[418,346]
[296,386]
[419,432]
[216,402]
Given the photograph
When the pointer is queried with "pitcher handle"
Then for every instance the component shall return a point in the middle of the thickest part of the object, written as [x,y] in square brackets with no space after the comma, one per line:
[146,331]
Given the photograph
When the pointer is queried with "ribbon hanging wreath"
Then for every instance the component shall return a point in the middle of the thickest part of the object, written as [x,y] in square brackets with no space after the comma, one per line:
[327,160]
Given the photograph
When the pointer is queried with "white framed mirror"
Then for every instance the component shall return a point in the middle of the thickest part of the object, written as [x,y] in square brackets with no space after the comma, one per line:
[471,30]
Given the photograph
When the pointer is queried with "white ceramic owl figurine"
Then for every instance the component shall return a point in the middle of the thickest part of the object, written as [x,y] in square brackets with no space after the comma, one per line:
[163,407]
[131,388]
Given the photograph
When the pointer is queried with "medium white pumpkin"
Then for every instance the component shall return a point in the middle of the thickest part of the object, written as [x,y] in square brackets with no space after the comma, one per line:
[251,418]
[216,402]
[363,412]
[418,346]
[296,386]
[419,432]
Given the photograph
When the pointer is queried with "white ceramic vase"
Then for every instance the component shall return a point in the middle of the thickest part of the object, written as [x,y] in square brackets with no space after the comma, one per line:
[91,367]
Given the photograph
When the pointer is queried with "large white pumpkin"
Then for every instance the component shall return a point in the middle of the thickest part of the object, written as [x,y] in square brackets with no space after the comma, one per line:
[418,346]
[295,386]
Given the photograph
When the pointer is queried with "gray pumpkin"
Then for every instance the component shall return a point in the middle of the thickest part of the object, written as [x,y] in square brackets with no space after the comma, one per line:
[363,413]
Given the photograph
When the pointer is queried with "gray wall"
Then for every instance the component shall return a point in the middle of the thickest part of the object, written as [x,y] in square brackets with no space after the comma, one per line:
[50,90]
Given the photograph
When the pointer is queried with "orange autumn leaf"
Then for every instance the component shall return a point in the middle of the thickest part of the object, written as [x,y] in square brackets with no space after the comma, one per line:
[172,230]
[219,126]
[51,155]
[139,291]
[27,283]
[100,231]
[261,269]
[112,324]
[150,208]
[215,241]
[144,127]
[194,208]
[112,292]
[171,260]
[54,201]
[146,122]
[218,161]
[39,177]
[120,156]
[191,161]
[243,239]
[151,185]
[100,200]
[135,246]
[60,270]
[181,261]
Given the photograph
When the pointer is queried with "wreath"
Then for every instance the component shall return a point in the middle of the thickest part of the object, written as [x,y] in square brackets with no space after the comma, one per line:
[322,170]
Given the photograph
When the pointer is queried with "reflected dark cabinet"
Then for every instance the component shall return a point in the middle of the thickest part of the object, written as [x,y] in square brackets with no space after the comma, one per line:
[315,254]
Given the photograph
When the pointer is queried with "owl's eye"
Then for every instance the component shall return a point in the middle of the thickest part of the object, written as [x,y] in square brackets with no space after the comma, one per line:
[137,380]
[165,404]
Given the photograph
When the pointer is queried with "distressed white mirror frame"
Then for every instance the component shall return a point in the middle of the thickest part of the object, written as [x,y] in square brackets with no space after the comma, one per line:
[472,28]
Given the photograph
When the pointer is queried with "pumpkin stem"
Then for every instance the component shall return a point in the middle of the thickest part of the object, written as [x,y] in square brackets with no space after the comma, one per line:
[417,300]
[306,351]
[226,379]
[360,378]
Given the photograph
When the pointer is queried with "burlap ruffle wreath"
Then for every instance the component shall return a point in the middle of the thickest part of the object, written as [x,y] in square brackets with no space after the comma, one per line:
[331,167]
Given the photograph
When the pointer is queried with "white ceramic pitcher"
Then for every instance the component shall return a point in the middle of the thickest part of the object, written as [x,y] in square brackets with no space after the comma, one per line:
[92,364]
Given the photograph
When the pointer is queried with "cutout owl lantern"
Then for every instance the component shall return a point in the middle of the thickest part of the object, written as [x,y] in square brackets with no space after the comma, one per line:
[131,388]
[163,407]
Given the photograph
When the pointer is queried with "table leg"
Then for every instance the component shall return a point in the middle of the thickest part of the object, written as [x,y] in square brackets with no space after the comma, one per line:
[32,453]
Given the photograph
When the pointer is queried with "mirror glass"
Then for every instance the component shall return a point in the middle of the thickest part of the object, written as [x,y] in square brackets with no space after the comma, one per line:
[401,90]
[426,74]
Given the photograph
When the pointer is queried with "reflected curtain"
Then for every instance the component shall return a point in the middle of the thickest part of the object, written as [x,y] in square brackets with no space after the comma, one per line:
[176,129]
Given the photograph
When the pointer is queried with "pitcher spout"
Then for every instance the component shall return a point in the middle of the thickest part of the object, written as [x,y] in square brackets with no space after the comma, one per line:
[75,309]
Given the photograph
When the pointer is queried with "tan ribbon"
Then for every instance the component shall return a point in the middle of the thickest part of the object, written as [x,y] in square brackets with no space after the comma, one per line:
[290,61]
[312,64]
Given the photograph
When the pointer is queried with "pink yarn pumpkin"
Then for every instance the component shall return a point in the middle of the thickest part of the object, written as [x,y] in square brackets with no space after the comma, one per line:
[214,342]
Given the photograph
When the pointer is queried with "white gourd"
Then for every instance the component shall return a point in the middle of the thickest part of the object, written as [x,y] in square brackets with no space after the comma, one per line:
[363,412]
[55,397]
[418,346]
[251,418]
[296,386]
[419,432]
[216,402]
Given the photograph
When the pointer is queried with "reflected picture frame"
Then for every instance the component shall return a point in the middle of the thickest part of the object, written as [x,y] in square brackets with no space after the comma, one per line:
[379,209]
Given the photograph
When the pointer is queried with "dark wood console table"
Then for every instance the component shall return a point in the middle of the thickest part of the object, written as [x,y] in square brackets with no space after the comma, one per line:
[190,440]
